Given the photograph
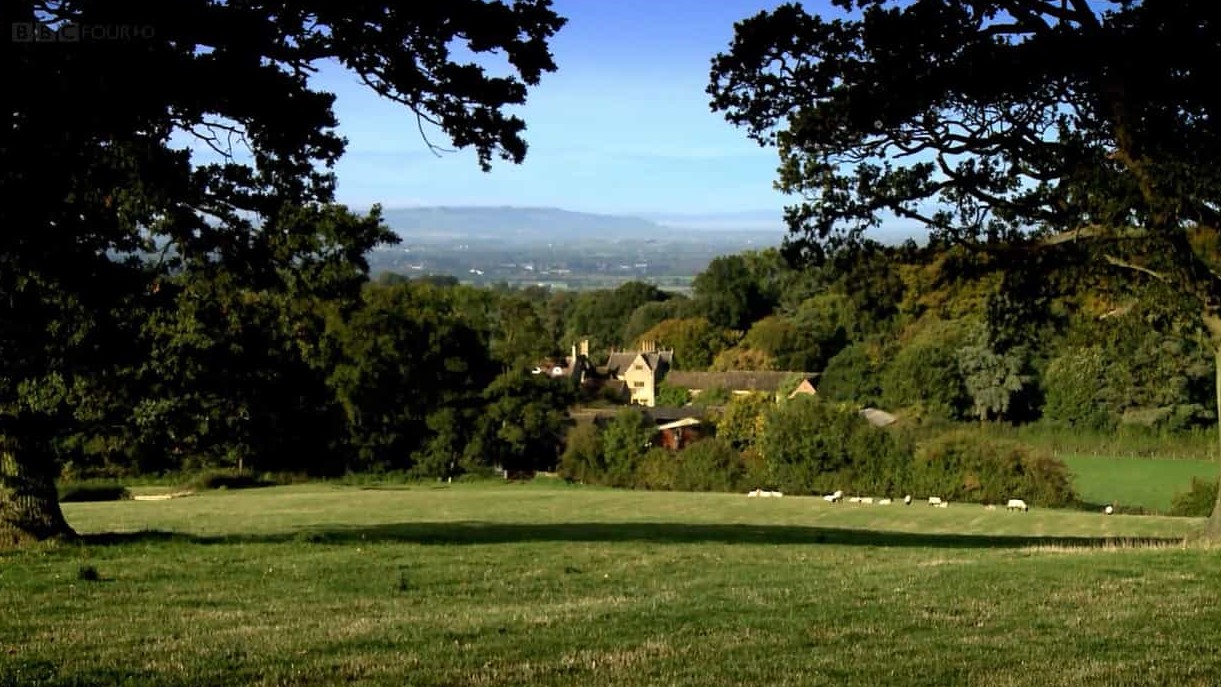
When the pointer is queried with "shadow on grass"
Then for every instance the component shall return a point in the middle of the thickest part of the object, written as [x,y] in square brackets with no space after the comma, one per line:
[476,533]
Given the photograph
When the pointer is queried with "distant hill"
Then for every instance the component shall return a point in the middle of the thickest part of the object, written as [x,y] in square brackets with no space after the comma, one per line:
[542,225]
[514,223]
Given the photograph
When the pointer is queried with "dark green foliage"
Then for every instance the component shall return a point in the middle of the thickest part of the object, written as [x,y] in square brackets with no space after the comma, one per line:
[227,480]
[582,458]
[965,465]
[812,446]
[712,396]
[73,493]
[603,316]
[625,441]
[88,573]
[669,395]
[852,376]
[925,375]
[1196,502]
[729,294]
[710,464]
[156,307]
[523,421]
[1073,384]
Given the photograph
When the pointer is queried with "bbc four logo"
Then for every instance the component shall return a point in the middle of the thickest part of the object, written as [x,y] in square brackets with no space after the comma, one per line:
[38,32]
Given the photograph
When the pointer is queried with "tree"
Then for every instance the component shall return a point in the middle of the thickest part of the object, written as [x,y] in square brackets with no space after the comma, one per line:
[696,342]
[109,208]
[1032,123]
[525,420]
[729,294]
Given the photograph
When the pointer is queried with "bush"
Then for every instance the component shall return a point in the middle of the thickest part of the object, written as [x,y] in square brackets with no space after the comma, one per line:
[1196,502]
[85,492]
[582,457]
[964,465]
[223,479]
[658,470]
[709,465]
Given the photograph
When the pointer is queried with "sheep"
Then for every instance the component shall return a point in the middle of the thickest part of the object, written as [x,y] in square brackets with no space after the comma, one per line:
[943,504]
[884,502]
[1108,510]
[934,501]
[990,506]
[834,498]
[754,493]
[907,500]
[854,499]
[1017,504]
[866,499]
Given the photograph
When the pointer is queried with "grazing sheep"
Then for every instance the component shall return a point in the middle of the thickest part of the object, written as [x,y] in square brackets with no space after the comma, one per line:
[833,498]
[1108,510]
[934,501]
[907,500]
[754,493]
[990,506]
[943,504]
[866,499]
[884,502]
[854,499]
[1017,504]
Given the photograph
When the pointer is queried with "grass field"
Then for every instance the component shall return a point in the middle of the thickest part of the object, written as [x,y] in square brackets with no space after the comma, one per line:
[1144,482]
[551,585]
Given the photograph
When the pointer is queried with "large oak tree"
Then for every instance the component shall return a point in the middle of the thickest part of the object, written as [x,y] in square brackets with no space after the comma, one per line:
[1035,124]
[106,226]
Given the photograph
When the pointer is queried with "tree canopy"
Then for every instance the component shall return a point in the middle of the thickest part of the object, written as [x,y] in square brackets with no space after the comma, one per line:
[109,226]
[1022,122]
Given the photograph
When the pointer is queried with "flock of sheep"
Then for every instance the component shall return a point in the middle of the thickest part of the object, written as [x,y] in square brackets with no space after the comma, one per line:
[935,501]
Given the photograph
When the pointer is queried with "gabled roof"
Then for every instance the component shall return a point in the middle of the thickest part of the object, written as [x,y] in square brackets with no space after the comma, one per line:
[678,424]
[620,361]
[733,381]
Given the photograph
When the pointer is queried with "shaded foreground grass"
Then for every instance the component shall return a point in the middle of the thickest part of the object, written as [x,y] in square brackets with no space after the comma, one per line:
[1149,483]
[523,585]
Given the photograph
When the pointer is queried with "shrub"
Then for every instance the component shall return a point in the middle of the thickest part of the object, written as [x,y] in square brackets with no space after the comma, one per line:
[1196,502]
[671,396]
[658,470]
[224,479]
[83,492]
[964,465]
[709,465]
[581,460]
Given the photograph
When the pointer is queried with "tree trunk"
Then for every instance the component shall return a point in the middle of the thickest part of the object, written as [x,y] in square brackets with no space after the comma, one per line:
[29,503]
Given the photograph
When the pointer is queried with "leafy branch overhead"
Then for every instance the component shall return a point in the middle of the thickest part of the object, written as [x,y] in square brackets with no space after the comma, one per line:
[984,119]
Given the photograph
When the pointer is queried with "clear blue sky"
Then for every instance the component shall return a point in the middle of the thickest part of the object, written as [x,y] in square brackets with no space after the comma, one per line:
[624,125]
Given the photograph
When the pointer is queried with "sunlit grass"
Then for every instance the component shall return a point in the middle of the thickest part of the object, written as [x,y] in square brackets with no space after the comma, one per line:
[525,585]
[1143,482]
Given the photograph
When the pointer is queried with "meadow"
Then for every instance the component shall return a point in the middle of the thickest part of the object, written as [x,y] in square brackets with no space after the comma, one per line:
[548,584]
[1145,483]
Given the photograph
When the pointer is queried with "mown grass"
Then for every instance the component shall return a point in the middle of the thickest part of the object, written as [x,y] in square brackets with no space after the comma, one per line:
[547,585]
[1141,482]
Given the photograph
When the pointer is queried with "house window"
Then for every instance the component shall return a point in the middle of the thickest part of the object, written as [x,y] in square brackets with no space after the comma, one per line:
[638,385]
[638,366]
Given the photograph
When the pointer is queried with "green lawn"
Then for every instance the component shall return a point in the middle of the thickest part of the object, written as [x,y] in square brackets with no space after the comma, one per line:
[547,585]
[1146,482]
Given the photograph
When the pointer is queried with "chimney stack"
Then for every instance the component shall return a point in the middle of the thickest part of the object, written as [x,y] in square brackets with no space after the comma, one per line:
[585,348]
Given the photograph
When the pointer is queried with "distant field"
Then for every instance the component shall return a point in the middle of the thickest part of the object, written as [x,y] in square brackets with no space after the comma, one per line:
[544,584]
[1146,482]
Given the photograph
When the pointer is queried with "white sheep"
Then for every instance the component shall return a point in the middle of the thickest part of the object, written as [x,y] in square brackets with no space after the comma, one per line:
[1017,504]
[884,502]
[1108,510]
[834,498]
[907,500]
[854,499]
[943,504]
[990,506]
[754,494]
[866,499]
[934,501]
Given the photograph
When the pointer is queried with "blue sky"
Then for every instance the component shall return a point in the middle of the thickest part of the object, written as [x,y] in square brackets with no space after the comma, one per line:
[623,127]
